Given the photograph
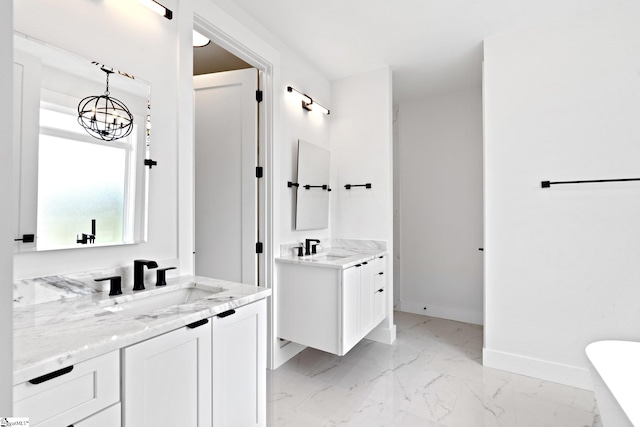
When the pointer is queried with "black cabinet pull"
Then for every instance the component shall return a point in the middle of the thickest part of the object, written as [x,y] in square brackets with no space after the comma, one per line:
[365,263]
[381,290]
[51,375]
[358,265]
[226,313]
[198,323]
[381,273]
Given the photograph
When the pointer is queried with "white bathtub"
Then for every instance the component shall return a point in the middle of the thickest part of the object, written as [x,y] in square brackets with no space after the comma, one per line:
[615,370]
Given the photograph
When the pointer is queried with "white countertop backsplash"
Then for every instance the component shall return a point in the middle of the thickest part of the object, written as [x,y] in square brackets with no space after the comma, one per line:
[58,321]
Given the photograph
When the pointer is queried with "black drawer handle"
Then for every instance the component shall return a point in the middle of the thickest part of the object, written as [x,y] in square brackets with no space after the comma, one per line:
[381,273]
[365,263]
[51,375]
[198,323]
[381,290]
[226,313]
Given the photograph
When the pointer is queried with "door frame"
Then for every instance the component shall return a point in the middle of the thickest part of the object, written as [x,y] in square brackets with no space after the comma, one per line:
[266,60]
[265,140]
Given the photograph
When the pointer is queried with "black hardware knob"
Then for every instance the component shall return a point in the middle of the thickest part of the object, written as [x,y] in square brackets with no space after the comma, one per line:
[161,276]
[115,285]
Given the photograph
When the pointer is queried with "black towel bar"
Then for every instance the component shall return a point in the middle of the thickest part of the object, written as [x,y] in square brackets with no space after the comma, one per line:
[348,186]
[547,184]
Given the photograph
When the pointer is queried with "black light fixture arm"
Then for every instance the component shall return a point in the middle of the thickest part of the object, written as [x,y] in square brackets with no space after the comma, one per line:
[307,102]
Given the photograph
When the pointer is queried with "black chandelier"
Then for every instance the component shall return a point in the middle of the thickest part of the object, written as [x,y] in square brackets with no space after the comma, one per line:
[105,117]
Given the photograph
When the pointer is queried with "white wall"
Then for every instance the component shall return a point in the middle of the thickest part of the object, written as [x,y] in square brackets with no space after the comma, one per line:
[562,102]
[115,33]
[6,247]
[440,206]
[362,152]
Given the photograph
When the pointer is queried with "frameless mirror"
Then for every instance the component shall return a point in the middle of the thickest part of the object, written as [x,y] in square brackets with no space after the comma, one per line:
[73,189]
[312,201]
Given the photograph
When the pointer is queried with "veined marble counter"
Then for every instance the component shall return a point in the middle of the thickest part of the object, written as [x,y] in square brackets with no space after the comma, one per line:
[53,335]
[616,381]
[336,257]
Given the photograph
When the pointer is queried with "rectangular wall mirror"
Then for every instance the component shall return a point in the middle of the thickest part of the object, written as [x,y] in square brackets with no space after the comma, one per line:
[73,188]
[312,200]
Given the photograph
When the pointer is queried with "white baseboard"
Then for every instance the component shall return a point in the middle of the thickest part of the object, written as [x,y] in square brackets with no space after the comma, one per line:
[451,313]
[550,371]
[383,335]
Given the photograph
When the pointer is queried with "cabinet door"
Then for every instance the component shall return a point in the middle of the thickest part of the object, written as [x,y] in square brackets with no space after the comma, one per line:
[167,380]
[350,308]
[366,297]
[240,367]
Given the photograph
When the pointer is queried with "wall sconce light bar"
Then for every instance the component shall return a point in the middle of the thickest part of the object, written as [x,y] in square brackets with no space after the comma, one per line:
[307,102]
[158,8]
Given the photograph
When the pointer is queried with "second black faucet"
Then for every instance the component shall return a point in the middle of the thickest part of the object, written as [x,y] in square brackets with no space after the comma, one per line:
[307,246]
[138,272]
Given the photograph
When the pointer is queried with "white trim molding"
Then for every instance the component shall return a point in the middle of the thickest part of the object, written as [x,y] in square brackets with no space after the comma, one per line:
[543,369]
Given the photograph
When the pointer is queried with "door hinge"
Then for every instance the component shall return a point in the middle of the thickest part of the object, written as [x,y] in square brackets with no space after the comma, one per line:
[259,172]
[259,247]
[259,95]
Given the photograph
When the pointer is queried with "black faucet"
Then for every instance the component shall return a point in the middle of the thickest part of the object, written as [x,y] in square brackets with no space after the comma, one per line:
[115,284]
[307,246]
[138,272]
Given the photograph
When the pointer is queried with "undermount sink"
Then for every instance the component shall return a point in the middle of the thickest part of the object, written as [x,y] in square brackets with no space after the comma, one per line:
[145,302]
[325,257]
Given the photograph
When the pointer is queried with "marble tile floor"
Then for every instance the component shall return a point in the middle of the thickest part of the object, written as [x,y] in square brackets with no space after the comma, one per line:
[431,377]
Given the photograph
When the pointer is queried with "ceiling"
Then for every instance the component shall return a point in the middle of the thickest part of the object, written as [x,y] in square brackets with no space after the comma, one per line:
[432,46]
[214,59]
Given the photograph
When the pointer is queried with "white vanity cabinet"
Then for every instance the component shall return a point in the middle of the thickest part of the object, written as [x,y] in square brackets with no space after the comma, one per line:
[240,367]
[70,395]
[330,309]
[166,380]
[210,374]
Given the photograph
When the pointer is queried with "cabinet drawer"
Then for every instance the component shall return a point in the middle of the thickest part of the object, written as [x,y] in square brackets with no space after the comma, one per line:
[60,401]
[109,417]
[379,305]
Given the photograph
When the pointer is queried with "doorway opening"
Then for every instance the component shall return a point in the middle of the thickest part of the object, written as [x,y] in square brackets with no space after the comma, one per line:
[230,153]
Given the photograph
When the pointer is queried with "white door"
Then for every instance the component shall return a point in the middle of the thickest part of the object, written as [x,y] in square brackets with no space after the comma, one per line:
[226,156]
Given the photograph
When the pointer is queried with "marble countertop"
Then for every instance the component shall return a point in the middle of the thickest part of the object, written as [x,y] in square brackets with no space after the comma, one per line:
[53,335]
[618,364]
[335,257]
